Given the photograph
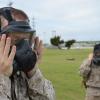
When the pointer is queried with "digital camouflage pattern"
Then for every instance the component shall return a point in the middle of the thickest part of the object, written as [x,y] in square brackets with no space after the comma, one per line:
[34,88]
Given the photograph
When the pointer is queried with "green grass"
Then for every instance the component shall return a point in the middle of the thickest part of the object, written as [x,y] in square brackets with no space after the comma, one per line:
[63,73]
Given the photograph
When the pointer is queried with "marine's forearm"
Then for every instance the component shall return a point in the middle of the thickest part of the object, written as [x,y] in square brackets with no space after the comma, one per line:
[85,68]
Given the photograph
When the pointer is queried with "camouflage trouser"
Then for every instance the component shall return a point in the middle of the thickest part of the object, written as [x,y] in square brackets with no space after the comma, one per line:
[92,98]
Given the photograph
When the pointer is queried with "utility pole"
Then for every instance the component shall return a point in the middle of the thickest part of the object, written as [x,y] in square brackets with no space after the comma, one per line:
[33,23]
[10,4]
[53,33]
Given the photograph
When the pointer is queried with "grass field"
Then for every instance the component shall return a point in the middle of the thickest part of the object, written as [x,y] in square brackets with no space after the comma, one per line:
[61,67]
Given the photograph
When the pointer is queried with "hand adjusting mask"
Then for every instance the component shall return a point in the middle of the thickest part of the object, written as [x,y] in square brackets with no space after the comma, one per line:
[96,57]
[25,59]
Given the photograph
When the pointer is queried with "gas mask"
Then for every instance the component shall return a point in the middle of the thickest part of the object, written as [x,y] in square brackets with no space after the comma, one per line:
[25,59]
[96,55]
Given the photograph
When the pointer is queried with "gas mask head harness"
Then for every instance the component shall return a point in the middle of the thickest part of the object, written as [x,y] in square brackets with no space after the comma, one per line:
[25,59]
[13,25]
[96,55]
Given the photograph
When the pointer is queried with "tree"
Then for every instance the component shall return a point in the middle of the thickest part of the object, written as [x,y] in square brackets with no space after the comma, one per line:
[56,41]
[69,43]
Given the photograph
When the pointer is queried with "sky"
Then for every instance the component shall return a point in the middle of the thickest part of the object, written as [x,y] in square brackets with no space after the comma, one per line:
[71,19]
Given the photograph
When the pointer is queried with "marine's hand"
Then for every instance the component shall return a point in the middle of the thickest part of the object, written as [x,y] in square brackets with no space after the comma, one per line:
[6,59]
[38,49]
[90,57]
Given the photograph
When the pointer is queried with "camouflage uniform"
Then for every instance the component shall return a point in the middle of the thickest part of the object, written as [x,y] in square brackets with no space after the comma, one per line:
[24,88]
[91,72]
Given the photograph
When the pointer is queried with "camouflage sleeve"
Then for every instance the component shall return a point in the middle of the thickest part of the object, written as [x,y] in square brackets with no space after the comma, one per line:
[85,68]
[5,86]
[40,88]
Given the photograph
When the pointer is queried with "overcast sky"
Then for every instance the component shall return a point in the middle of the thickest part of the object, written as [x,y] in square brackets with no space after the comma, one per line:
[71,19]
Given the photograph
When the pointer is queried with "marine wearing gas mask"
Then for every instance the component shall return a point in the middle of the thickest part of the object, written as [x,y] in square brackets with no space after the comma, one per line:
[25,59]
[96,55]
